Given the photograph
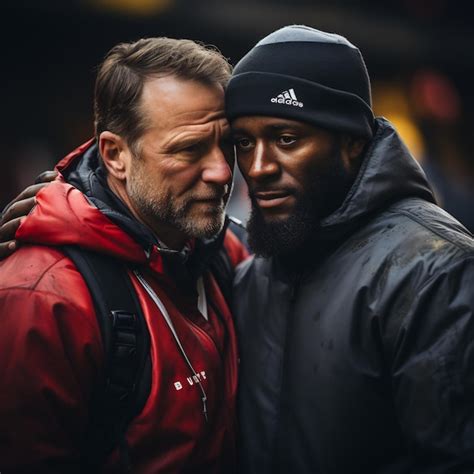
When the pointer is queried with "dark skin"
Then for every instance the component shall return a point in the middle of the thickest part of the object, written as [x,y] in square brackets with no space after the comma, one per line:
[17,210]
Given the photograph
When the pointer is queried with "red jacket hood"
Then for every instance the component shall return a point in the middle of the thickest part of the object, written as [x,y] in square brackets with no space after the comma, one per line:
[63,216]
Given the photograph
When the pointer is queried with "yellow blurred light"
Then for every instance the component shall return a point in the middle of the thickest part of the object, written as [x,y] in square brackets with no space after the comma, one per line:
[410,134]
[132,7]
[390,101]
[389,97]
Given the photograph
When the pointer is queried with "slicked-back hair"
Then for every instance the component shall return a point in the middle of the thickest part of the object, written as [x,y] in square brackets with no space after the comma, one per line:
[126,68]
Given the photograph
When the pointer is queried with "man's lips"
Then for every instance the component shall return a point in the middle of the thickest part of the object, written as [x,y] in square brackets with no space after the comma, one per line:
[216,200]
[271,198]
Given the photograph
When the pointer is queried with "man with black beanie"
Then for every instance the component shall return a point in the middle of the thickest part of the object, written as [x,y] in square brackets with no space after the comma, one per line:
[355,317]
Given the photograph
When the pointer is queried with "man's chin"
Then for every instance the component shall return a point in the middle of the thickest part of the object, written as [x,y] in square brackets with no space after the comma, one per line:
[203,227]
[274,219]
[275,235]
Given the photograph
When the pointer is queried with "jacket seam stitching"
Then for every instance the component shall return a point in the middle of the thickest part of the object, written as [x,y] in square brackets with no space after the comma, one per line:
[40,277]
[415,218]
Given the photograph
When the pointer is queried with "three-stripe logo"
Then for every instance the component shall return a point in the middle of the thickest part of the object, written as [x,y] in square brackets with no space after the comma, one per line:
[287,97]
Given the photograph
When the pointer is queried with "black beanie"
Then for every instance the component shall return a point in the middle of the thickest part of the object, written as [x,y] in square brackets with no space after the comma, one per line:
[301,73]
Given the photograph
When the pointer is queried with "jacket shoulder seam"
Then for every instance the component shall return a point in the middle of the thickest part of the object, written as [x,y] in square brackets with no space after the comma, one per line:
[47,269]
[34,285]
[421,222]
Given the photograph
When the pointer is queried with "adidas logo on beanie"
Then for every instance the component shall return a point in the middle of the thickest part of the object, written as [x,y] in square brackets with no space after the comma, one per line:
[288,98]
[301,73]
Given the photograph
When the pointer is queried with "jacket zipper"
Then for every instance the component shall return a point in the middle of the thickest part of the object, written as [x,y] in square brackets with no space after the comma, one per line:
[286,356]
[164,312]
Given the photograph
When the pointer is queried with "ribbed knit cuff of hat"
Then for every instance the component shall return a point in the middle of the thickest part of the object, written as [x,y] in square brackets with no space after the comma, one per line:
[304,74]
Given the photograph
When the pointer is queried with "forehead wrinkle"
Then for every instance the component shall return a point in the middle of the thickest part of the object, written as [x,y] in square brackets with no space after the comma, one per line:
[200,115]
[185,118]
[196,131]
[170,102]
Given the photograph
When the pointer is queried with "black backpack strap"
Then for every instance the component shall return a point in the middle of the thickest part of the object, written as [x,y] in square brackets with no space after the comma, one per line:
[122,392]
[221,265]
[223,271]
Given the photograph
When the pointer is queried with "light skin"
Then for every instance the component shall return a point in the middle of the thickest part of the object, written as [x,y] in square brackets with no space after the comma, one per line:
[179,184]
[278,157]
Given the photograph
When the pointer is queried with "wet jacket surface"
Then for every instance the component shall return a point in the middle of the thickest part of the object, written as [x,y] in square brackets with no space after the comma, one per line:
[52,354]
[362,361]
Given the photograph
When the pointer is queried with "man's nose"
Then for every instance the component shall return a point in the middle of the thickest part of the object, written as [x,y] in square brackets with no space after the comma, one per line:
[217,168]
[263,163]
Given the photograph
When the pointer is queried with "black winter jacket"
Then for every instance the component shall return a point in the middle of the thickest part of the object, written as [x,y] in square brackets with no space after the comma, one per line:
[364,361]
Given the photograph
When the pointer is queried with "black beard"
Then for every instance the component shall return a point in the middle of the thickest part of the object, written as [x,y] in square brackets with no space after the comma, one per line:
[291,236]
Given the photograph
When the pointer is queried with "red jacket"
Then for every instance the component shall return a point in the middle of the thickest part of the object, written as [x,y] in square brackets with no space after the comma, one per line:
[51,350]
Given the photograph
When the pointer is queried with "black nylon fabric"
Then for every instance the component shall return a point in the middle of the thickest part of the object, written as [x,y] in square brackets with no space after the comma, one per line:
[360,359]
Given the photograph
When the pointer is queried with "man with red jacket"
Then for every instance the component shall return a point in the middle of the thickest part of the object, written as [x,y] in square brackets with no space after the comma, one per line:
[149,190]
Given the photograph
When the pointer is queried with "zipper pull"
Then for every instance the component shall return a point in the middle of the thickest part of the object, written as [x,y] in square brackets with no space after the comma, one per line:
[204,407]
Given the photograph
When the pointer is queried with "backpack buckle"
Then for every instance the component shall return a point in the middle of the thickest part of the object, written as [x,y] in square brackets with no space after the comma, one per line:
[124,320]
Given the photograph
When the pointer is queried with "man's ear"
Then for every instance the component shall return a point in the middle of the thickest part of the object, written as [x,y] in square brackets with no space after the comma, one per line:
[352,150]
[115,154]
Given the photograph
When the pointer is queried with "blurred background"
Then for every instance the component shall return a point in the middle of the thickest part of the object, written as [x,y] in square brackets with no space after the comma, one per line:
[420,56]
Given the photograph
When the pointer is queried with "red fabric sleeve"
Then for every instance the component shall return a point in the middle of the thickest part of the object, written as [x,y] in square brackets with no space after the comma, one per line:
[50,358]
[235,248]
